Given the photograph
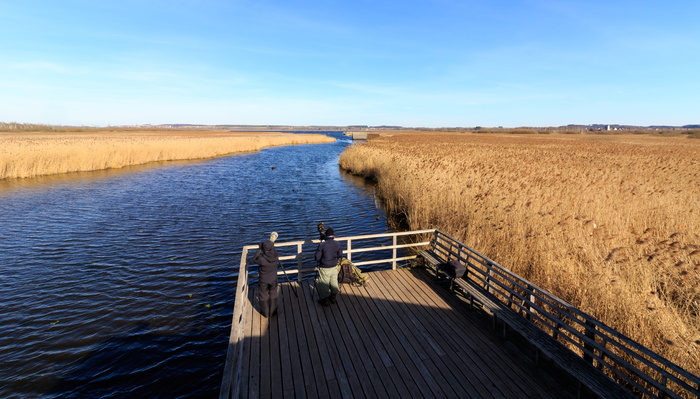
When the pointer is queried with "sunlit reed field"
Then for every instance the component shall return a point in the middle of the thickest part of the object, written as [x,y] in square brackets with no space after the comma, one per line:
[610,224]
[31,154]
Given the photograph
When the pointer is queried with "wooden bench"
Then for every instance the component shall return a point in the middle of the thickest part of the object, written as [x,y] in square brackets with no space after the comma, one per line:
[434,262]
[577,367]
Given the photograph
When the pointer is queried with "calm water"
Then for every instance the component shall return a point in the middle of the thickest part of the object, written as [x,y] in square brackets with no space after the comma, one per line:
[120,283]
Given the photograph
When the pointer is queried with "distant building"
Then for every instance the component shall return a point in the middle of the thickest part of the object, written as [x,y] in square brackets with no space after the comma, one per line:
[358,135]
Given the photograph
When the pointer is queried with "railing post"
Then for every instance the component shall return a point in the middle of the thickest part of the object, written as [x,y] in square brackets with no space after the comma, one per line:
[601,355]
[590,334]
[299,261]
[349,250]
[463,254]
[488,279]
[511,296]
[557,326]
[662,394]
[531,297]
[393,253]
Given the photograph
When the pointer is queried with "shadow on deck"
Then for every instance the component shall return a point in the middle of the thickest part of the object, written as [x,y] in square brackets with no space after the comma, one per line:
[401,335]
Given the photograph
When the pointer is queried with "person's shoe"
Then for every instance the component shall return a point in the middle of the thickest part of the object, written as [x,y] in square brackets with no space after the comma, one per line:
[332,298]
[324,302]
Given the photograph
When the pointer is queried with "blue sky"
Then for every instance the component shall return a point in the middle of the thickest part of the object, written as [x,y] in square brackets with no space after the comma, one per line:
[431,63]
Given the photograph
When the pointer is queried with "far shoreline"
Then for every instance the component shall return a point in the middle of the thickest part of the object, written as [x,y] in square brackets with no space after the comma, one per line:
[25,154]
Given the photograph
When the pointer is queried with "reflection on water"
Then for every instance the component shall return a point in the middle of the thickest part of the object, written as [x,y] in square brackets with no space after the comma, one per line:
[13,186]
[120,283]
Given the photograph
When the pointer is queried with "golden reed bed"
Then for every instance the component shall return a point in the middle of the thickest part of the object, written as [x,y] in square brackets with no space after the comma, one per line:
[610,224]
[45,153]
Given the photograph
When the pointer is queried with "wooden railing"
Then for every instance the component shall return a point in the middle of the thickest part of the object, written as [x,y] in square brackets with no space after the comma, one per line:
[637,368]
[359,249]
[634,366]
[234,354]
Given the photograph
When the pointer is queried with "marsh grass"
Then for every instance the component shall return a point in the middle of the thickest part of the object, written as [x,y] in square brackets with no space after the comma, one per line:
[610,224]
[31,154]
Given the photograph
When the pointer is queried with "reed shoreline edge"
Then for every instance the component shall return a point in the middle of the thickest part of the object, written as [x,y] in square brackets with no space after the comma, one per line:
[610,224]
[43,153]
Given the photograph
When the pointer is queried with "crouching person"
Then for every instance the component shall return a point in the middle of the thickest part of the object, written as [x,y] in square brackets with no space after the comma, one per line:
[266,257]
[327,255]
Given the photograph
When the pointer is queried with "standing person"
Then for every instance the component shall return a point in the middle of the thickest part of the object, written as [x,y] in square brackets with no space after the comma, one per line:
[327,255]
[266,256]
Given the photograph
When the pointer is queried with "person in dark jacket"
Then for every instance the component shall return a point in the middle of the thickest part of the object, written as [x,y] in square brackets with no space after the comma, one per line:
[327,255]
[266,257]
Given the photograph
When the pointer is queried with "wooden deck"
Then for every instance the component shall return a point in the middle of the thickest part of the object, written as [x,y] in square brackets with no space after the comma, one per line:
[401,335]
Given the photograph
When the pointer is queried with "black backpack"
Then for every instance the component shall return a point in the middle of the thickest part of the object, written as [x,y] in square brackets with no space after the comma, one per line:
[454,269]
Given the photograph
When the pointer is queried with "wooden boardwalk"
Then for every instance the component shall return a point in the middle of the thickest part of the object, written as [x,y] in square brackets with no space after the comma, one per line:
[400,336]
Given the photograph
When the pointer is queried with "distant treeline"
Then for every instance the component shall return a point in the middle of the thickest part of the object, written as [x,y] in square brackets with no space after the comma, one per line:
[692,131]
[36,127]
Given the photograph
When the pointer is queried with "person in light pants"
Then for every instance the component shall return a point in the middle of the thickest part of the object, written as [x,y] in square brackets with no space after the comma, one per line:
[327,255]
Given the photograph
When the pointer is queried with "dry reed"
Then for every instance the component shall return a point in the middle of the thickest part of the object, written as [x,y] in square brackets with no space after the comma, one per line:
[44,153]
[610,224]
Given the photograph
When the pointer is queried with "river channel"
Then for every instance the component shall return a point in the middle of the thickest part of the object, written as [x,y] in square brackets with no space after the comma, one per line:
[121,283]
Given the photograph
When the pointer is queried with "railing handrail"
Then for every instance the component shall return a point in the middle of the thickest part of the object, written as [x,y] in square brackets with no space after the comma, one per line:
[594,341]
[304,249]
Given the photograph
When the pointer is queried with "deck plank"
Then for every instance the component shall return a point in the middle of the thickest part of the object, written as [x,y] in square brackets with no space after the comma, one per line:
[454,368]
[310,335]
[455,342]
[247,348]
[399,336]
[383,335]
[266,365]
[344,355]
[288,343]
[255,341]
[457,333]
[318,325]
[419,350]
[277,352]
[487,347]
[378,383]
[304,385]
[382,377]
